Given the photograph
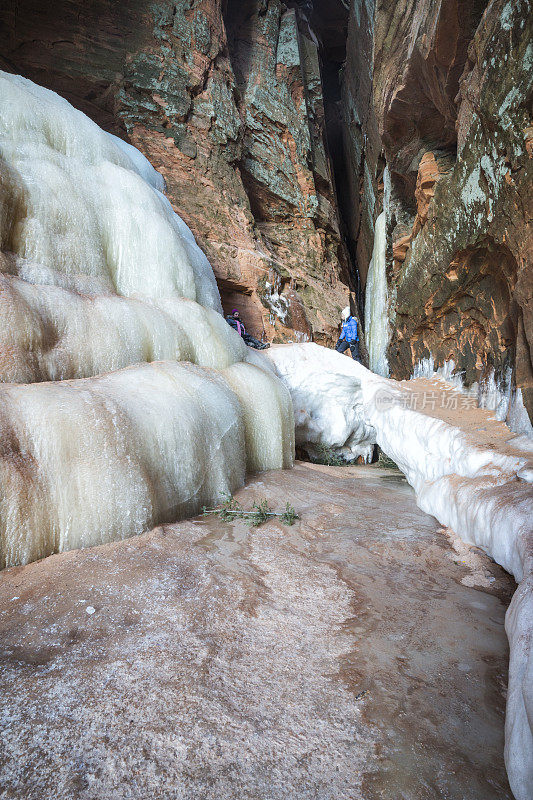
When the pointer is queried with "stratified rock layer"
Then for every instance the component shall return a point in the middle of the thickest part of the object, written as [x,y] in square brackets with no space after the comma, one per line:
[228,107]
[451,88]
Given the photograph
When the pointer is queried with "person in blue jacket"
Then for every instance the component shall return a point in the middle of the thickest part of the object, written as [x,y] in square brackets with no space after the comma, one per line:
[349,337]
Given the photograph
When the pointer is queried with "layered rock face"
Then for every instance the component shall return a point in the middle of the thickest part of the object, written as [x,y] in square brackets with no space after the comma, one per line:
[225,100]
[451,82]
[273,124]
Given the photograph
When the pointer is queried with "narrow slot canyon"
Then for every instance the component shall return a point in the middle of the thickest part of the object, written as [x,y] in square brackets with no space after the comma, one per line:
[266,400]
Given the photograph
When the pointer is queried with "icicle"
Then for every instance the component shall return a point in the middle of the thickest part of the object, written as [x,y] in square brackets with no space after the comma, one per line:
[376,303]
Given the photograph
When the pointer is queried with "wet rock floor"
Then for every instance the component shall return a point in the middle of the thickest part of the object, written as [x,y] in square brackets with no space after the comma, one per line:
[354,656]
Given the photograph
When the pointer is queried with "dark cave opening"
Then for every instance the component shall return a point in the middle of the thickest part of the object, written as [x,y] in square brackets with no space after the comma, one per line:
[327,22]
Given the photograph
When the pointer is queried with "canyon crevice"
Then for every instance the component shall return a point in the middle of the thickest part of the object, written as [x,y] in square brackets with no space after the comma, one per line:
[272,124]
[161,164]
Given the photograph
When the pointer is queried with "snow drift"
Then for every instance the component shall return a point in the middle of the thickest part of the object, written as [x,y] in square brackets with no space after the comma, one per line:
[98,273]
[90,461]
[479,486]
[328,405]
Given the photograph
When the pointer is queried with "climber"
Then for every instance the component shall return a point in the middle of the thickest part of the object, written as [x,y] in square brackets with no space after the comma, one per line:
[234,320]
[349,337]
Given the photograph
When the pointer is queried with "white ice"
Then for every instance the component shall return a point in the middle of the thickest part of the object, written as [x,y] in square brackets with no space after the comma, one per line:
[79,211]
[377,332]
[484,492]
[98,273]
[328,406]
[51,333]
[499,396]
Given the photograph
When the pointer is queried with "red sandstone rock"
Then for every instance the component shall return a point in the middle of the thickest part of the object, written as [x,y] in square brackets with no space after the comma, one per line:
[229,109]
[400,248]
[451,101]
[428,175]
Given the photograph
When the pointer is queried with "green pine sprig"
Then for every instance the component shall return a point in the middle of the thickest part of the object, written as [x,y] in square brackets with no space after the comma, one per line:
[260,512]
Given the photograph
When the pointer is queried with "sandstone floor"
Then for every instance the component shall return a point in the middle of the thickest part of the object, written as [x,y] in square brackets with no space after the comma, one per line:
[358,655]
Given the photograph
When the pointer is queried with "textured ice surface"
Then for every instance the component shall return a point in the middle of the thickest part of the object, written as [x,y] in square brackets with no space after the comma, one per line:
[499,396]
[101,459]
[468,471]
[78,206]
[98,273]
[328,405]
[343,658]
[82,211]
[51,333]
[376,302]
[268,417]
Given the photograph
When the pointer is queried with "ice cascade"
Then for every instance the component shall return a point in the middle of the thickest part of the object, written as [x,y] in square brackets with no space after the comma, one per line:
[376,302]
[125,398]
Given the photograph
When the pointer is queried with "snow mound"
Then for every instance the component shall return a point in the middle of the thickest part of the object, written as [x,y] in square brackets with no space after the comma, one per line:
[467,469]
[328,405]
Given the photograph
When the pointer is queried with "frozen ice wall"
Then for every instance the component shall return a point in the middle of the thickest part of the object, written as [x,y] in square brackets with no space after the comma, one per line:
[85,462]
[480,484]
[376,303]
[496,394]
[51,333]
[83,212]
[98,273]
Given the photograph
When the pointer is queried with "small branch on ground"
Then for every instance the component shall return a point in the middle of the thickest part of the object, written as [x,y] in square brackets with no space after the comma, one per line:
[259,513]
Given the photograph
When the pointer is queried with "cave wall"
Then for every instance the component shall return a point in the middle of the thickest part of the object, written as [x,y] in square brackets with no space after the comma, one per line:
[464,288]
[451,99]
[225,99]
[361,136]
[345,32]
[273,123]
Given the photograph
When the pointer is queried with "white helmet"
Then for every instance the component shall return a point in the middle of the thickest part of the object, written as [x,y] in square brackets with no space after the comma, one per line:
[345,313]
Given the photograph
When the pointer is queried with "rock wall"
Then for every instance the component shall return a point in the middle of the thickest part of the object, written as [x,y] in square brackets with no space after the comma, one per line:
[225,99]
[451,91]
[273,122]
[345,31]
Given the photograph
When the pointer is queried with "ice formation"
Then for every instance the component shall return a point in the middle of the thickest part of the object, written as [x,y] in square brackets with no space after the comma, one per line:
[328,405]
[480,488]
[499,396]
[98,273]
[52,333]
[103,458]
[376,303]
[79,211]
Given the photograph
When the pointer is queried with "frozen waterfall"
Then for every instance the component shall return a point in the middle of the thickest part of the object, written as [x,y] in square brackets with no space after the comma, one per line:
[97,273]
[376,302]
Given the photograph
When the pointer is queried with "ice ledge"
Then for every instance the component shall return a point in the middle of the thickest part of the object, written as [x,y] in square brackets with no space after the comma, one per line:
[468,470]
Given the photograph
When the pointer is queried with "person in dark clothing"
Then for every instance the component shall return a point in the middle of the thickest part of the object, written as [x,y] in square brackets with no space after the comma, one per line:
[349,337]
[234,320]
